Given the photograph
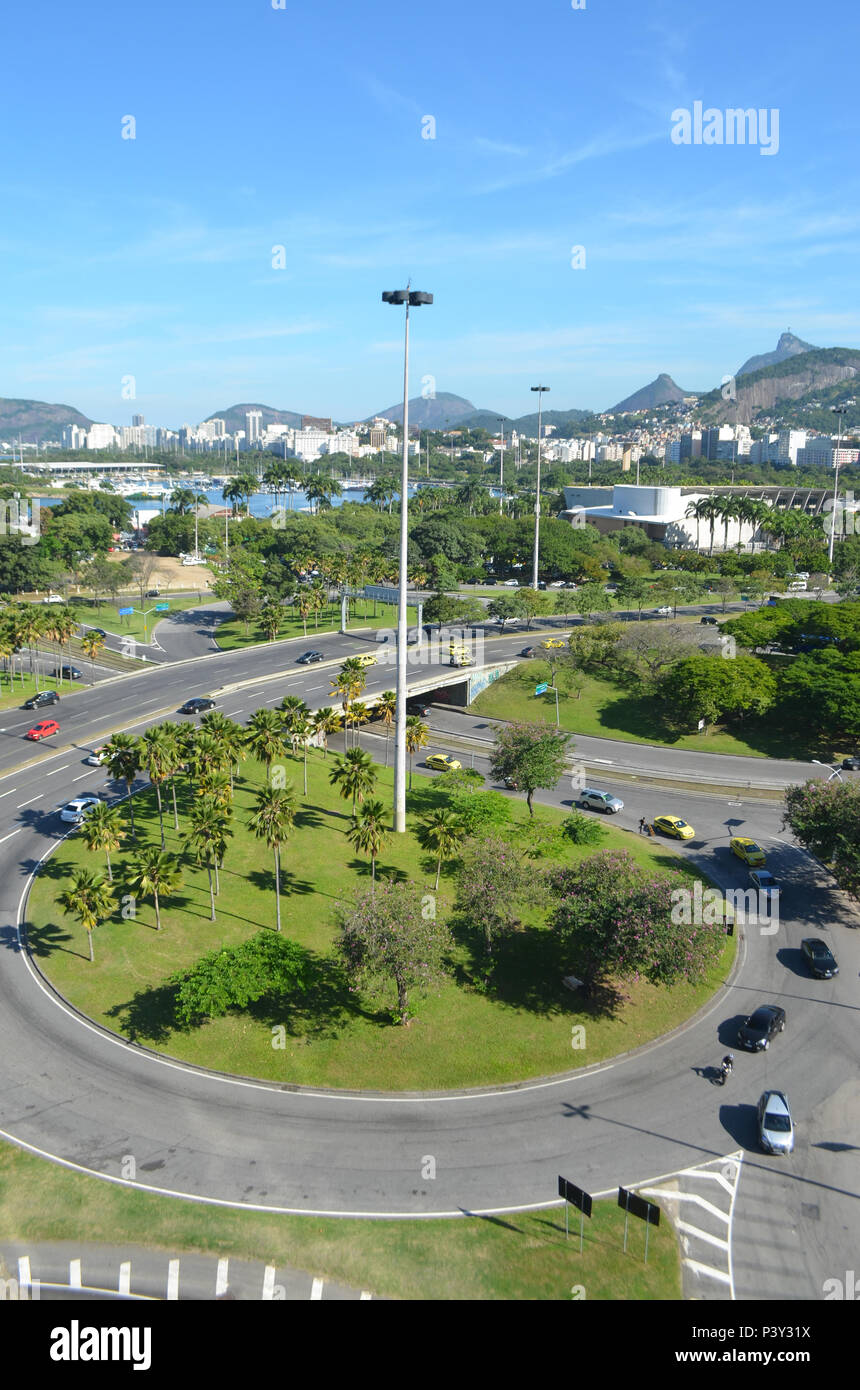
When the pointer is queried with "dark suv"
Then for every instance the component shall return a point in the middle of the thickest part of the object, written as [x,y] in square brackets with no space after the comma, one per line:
[66,673]
[44,697]
[756,1032]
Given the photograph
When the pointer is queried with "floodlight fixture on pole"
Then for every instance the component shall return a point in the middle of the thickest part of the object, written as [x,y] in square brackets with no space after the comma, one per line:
[409,298]
[540,390]
[841,411]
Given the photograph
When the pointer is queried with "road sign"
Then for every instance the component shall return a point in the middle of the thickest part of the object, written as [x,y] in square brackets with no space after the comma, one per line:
[381,592]
[539,689]
[575,1195]
[162,607]
[637,1206]
[122,611]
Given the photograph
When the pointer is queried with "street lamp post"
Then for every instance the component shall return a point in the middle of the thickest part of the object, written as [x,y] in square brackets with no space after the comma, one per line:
[502,466]
[407,297]
[540,390]
[841,411]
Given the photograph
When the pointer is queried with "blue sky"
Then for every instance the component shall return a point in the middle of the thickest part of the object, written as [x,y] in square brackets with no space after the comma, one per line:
[302,127]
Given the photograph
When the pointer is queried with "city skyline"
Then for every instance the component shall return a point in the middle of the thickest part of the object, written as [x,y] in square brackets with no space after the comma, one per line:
[528,177]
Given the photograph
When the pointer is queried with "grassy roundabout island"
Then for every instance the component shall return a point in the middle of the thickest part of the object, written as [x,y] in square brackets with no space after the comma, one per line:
[463,1034]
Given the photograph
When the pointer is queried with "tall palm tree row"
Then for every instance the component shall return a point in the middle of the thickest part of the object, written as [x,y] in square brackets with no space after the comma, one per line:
[273,820]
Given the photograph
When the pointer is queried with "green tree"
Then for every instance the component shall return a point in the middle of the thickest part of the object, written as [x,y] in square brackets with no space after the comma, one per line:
[366,833]
[441,833]
[417,737]
[392,937]
[90,899]
[232,977]
[265,737]
[156,874]
[354,775]
[706,687]
[530,756]
[824,816]
[274,821]
[122,757]
[206,838]
[495,882]
[100,830]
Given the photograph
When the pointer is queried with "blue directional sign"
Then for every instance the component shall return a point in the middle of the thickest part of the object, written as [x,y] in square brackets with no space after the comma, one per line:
[161,607]
[539,689]
[122,611]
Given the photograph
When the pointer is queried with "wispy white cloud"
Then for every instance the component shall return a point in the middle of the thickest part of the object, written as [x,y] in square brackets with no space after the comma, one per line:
[600,147]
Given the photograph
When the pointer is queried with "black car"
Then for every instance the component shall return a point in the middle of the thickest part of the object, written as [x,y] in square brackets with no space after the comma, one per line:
[755,1032]
[529,651]
[416,706]
[152,593]
[44,697]
[852,764]
[99,631]
[819,958]
[66,673]
[708,622]
[308,658]
[196,706]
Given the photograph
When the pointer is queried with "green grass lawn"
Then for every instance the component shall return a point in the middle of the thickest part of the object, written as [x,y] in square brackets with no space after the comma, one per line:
[232,633]
[14,697]
[334,1037]
[608,710]
[523,1256]
[106,615]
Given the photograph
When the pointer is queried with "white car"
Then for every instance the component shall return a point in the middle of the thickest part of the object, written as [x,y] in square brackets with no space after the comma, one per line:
[511,583]
[557,584]
[96,758]
[665,612]
[54,598]
[76,810]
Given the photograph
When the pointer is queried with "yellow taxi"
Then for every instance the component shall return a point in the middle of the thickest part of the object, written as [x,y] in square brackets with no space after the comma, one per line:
[555,642]
[443,762]
[747,850]
[366,659]
[674,826]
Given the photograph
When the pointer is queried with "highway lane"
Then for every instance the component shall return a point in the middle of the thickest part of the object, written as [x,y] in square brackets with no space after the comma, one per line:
[72,1092]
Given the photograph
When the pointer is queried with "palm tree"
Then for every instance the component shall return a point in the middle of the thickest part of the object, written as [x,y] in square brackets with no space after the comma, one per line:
[92,643]
[326,721]
[64,625]
[386,709]
[367,833]
[441,833]
[358,714]
[206,753]
[172,753]
[154,872]
[265,737]
[100,830]
[354,774]
[274,821]
[217,783]
[207,837]
[123,760]
[156,755]
[728,505]
[90,899]
[696,510]
[321,491]
[270,620]
[230,735]
[181,501]
[417,736]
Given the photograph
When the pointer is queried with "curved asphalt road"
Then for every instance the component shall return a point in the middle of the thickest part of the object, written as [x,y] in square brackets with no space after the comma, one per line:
[76,1094]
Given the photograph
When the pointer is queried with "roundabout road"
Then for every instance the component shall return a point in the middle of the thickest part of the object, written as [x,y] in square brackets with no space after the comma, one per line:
[80,1096]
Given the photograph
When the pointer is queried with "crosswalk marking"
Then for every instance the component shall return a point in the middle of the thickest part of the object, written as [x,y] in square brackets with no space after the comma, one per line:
[173,1281]
[74,1274]
[124,1285]
[221,1278]
[316,1289]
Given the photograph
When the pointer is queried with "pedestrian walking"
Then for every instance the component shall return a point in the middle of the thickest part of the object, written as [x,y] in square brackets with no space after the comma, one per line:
[642,826]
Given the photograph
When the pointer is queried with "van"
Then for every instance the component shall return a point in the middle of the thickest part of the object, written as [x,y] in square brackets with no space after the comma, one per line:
[797,586]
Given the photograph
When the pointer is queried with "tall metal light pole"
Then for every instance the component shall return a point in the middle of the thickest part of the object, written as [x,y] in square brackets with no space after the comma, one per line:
[540,390]
[501,420]
[407,297]
[841,411]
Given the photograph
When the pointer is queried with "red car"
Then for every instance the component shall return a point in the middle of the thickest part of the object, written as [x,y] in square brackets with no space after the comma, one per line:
[43,729]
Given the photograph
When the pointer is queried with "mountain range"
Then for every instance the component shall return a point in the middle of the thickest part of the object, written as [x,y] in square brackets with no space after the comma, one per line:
[795,383]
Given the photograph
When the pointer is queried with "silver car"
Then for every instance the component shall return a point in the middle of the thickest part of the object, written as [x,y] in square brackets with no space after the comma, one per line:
[76,810]
[593,800]
[775,1128]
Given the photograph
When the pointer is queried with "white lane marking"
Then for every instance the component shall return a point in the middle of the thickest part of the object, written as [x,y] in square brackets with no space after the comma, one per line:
[273,701]
[124,1285]
[58,769]
[74,1274]
[173,1281]
[28,803]
[316,1290]
[699,1234]
[708,1270]
[608,761]
[221,1278]
[11,833]
[268,1283]
[82,776]
[234,711]
[9,792]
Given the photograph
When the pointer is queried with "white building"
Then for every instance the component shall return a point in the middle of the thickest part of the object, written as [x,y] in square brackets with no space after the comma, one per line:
[253,420]
[101,437]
